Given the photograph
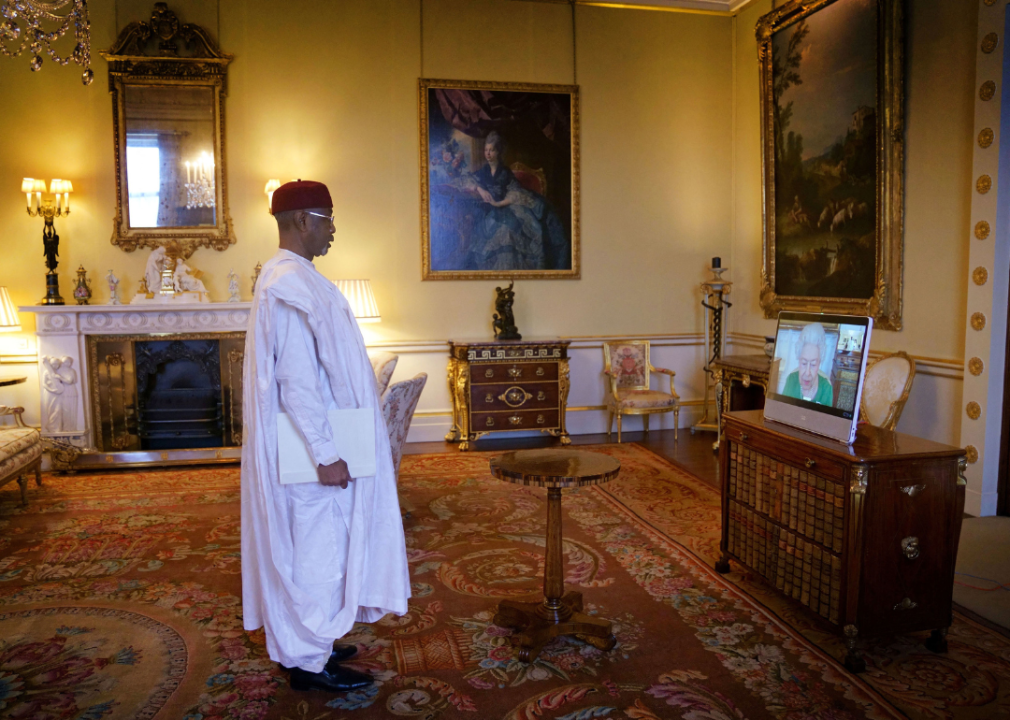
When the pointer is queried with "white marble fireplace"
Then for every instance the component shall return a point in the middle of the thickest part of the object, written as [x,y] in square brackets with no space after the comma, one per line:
[67,375]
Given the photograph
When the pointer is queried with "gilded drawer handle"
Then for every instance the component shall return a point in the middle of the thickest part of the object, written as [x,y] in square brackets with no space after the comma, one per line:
[489,373]
[514,396]
[906,604]
[489,398]
[910,546]
[540,419]
[490,422]
[541,395]
[516,420]
[810,463]
[515,372]
[912,490]
[743,437]
[540,372]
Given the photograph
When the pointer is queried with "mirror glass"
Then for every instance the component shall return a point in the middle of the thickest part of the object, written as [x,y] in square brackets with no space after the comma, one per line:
[170,156]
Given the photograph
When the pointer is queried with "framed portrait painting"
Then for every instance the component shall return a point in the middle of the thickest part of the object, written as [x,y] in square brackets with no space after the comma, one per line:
[832,105]
[499,180]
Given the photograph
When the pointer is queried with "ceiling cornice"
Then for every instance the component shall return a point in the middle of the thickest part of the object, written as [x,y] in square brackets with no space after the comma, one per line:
[704,7]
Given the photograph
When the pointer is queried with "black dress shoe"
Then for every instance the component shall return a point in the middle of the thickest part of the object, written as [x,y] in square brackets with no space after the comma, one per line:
[339,654]
[340,679]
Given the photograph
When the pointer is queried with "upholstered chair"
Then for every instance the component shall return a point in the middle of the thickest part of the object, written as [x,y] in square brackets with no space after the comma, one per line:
[383,365]
[627,370]
[886,386]
[20,452]
[398,405]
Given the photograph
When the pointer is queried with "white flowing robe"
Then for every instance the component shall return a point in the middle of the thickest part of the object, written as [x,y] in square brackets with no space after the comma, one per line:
[315,559]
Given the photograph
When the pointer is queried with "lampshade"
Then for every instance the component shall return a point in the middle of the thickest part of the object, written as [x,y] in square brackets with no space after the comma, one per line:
[55,186]
[269,190]
[9,320]
[361,299]
[39,186]
[28,185]
[68,187]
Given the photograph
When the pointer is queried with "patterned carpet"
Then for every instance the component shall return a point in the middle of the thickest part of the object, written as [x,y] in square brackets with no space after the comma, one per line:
[119,598]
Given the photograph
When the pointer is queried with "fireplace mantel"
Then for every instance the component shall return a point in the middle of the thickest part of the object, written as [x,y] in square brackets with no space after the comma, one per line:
[66,395]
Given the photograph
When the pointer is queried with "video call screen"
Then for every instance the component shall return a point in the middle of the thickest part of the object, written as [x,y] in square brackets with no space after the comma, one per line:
[817,364]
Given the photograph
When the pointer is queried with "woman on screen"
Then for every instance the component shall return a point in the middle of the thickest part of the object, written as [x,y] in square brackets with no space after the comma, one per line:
[807,382]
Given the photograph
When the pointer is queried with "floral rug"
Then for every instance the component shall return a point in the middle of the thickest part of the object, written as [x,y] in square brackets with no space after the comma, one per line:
[120,598]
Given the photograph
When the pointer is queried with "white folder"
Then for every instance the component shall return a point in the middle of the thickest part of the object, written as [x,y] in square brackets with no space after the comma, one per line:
[353,434]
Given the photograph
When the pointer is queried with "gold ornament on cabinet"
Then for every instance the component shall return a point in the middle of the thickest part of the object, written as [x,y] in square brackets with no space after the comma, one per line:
[989,2]
[978,321]
[976,366]
[987,91]
[989,42]
[985,138]
[981,229]
[974,410]
[971,454]
[980,275]
[983,184]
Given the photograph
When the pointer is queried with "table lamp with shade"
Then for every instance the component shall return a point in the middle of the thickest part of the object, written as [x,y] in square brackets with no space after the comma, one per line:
[361,299]
[9,320]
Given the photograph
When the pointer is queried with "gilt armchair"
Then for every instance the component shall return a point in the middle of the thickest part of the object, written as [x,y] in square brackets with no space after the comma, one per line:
[886,386]
[20,452]
[627,370]
[398,405]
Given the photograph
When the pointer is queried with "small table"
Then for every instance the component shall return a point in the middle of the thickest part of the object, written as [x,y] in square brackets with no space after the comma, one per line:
[4,382]
[559,613]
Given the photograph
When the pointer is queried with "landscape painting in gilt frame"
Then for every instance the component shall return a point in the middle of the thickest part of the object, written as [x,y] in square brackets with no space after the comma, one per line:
[499,180]
[833,158]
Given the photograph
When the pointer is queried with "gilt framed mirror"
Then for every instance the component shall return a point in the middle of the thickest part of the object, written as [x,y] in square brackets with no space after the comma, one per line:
[168,82]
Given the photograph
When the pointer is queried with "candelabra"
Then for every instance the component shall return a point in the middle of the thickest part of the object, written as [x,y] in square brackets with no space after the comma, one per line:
[50,240]
[200,190]
[716,305]
[32,14]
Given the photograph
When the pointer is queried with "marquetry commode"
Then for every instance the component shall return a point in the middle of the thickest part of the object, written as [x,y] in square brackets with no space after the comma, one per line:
[863,535]
[507,385]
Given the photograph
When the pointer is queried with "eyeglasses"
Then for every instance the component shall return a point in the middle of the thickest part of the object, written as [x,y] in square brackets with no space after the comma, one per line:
[324,217]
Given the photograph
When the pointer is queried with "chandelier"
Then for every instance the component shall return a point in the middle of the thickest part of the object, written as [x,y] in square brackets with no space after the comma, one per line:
[25,20]
[200,189]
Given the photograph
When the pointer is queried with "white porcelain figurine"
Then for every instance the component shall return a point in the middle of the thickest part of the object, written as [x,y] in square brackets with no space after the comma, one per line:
[113,288]
[233,287]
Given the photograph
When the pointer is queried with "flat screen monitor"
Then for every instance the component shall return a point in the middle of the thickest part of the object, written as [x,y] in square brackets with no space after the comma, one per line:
[816,377]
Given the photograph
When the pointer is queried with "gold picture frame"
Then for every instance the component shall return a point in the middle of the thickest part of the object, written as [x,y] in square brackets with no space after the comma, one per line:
[806,264]
[463,235]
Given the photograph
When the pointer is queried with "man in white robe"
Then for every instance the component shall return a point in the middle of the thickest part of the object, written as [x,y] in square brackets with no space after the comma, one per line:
[316,557]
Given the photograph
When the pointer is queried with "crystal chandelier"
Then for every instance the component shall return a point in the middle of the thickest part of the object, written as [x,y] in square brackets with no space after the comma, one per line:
[25,19]
[200,190]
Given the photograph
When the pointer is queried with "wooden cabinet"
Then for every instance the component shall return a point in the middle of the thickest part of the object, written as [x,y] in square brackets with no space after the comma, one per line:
[863,535]
[507,385]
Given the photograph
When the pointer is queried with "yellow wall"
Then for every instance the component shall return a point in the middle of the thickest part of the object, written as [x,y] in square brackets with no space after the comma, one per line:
[329,91]
[940,74]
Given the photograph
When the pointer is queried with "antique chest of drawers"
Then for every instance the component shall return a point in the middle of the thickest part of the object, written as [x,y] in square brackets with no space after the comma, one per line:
[507,385]
[863,535]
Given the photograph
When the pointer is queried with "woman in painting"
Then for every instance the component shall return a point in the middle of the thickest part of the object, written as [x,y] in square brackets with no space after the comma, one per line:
[519,230]
[807,382]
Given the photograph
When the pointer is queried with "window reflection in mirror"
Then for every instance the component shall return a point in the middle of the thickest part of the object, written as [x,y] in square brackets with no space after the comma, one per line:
[170,156]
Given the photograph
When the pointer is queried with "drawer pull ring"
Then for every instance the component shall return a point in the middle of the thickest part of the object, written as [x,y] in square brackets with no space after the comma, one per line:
[514,396]
[489,373]
[540,372]
[912,490]
[490,422]
[541,395]
[515,372]
[910,546]
[516,420]
[540,419]
[810,463]
[906,604]
[489,398]
[743,437]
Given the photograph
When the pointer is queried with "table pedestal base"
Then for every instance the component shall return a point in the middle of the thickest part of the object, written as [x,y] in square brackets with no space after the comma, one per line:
[539,623]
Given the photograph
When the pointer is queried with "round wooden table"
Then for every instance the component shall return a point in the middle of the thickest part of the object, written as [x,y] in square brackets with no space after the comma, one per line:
[559,613]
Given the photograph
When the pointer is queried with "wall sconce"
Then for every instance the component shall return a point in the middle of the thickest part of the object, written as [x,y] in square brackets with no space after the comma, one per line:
[269,190]
[50,240]
[361,299]
[9,320]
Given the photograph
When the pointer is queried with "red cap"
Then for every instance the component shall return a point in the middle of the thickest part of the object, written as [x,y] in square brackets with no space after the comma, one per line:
[300,195]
